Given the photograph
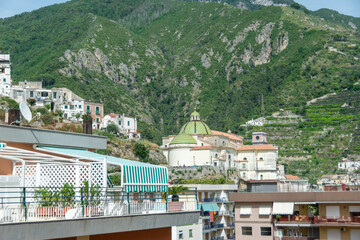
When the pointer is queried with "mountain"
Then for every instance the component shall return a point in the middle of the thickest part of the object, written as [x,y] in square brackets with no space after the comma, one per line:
[335,17]
[160,59]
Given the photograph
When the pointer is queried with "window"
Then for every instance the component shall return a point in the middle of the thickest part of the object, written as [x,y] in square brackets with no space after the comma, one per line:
[245,159]
[54,95]
[4,79]
[244,174]
[66,106]
[244,165]
[261,159]
[97,120]
[202,144]
[79,106]
[31,93]
[97,109]
[181,235]
[265,231]
[88,109]
[261,177]
[257,138]
[128,123]
[246,231]
[190,233]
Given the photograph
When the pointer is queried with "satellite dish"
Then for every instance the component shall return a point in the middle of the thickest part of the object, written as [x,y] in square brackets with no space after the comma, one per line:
[25,111]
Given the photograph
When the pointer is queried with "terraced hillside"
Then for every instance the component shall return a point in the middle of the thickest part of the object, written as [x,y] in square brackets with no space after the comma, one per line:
[325,131]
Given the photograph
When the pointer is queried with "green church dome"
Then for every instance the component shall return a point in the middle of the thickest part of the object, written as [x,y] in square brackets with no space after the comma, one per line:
[183,139]
[195,126]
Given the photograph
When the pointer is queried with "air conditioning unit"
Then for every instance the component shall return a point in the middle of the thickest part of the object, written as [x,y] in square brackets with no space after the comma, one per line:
[343,229]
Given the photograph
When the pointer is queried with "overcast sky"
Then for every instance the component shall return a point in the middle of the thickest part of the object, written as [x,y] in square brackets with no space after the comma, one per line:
[11,7]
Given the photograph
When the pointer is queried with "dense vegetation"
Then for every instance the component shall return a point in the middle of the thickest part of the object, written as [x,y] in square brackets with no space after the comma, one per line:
[158,60]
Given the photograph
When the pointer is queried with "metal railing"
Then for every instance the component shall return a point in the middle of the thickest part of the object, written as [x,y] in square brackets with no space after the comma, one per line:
[226,213]
[19,204]
[318,219]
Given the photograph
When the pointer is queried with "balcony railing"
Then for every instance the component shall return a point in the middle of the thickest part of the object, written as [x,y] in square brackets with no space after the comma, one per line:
[318,219]
[40,204]
[295,238]
[213,226]
[226,213]
[216,200]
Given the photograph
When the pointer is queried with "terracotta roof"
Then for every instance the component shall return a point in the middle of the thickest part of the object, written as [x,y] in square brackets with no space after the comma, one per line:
[289,176]
[231,136]
[201,148]
[260,147]
[113,115]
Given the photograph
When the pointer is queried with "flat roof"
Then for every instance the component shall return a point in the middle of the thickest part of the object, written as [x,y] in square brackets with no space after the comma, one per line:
[47,137]
[96,225]
[296,197]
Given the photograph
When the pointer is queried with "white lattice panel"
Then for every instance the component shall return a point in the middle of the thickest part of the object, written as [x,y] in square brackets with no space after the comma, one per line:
[56,175]
[30,174]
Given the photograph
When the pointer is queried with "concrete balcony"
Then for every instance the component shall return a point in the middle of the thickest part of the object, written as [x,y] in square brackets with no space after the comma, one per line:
[317,220]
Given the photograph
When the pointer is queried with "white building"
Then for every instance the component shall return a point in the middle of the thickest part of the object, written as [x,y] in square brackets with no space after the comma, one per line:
[217,213]
[72,105]
[127,125]
[257,161]
[349,165]
[5,74]
[197,145]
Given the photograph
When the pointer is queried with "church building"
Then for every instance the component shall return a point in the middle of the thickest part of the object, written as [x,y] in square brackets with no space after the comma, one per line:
[198,145]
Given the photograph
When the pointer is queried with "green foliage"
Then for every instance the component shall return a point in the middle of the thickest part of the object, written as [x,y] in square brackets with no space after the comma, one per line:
[12,104]
[142,151]
[67,195]
[91,195]
[115,179]
[295,5]
[163,45]
[86,117]
[31,101]
[112,128]
[47,106]
[206,181]
[48,197]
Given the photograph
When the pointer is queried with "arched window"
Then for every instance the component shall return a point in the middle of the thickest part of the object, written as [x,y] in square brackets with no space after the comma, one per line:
[216,155]
[261,177]
[261,159]
[245,159]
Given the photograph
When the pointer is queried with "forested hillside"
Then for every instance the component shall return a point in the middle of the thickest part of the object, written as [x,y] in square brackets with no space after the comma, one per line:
[158,60]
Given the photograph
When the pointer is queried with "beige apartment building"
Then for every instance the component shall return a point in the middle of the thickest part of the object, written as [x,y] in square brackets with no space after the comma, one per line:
[297,215]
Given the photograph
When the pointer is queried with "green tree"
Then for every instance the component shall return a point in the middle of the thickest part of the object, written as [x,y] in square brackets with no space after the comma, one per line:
[112,128]
[141,151]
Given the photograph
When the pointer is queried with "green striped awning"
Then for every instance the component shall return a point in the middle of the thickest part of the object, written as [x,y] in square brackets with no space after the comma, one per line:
[136,176]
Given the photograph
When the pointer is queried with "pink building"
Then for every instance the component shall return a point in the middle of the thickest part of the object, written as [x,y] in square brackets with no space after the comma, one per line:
[96,110]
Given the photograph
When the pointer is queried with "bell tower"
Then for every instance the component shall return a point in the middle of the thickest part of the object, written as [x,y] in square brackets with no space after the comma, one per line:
[259,138]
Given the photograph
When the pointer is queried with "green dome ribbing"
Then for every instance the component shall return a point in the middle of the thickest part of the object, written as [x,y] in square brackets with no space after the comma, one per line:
[183,139]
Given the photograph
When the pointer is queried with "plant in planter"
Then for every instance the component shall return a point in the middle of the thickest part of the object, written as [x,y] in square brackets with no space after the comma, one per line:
[91,195]
[67,195]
